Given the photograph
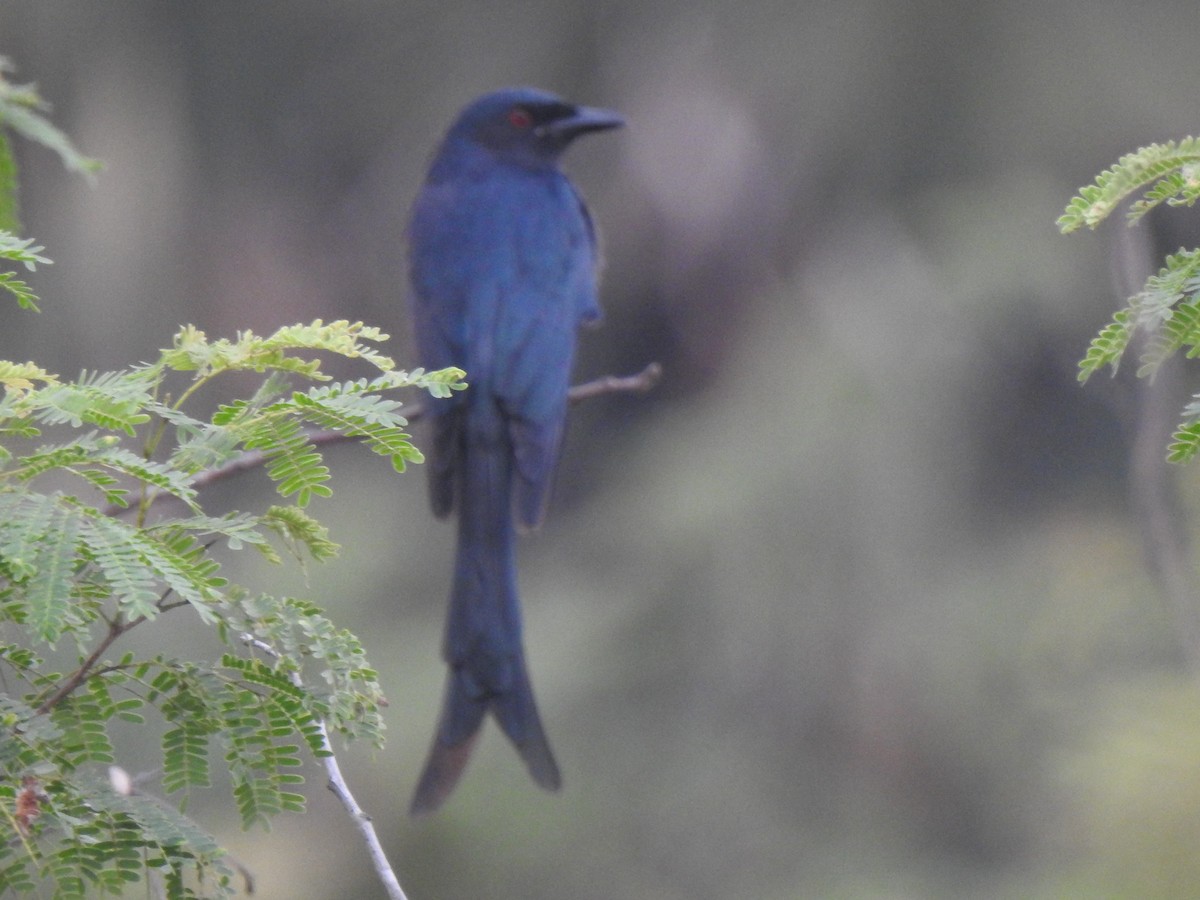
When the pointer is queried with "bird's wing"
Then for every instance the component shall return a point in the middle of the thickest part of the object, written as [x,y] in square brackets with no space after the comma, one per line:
[540,313]
[587,301]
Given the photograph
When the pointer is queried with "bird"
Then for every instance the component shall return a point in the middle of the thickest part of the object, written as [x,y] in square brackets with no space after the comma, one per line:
[503,270]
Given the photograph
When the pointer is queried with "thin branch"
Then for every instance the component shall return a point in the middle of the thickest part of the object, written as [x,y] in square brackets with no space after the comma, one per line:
[337,784]
[116,628]
[366,827]
[640,383]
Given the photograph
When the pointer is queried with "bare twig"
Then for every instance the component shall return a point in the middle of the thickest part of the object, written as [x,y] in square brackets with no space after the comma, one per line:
[617,384]
[337,784]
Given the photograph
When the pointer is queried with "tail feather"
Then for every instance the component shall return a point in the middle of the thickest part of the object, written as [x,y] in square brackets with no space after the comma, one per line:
[517,714]
[442,771]
[458,730]
[478,467]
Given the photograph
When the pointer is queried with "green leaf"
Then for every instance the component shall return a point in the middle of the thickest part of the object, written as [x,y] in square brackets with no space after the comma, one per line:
[18,111]
[178,560]
[72,576]
[1184,443]
[193,352]
[22,251]
[292,461]
[1172,169]
[159,475]
[300,530]
[185,757]
[113,401]
[25,297]
[1181,329]
[49,590]
[84,734]
[20,378]
[113,547]
[352,410]
[25,521]
[1108,346]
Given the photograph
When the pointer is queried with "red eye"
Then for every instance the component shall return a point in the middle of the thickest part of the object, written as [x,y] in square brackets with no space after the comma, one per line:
[519,117]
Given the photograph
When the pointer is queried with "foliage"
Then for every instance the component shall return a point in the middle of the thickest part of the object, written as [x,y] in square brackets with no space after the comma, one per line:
[1172,171]
[1167,308]
[23,252]
[86,556]
[21,110]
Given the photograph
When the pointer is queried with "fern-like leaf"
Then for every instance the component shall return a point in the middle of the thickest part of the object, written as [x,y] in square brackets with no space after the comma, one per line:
[19,110]
[1185,443]
[257,765]
[49,591]
[180,562]
[1108,346]
[25,520]
[113,401]
[293,463]
[299,530]
[193,352]
[440,384]
[185,757]
[162,476]
[349,410]
[1182,329]
[21,291]
[1154,164]
[22,250]
[19,251]
[84,733]
[1179,188]
[113,547]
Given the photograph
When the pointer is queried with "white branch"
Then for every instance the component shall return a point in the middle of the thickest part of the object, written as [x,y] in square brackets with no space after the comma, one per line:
[337,784]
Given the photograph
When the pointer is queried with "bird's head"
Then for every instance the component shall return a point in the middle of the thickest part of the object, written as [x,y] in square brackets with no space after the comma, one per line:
[527,126]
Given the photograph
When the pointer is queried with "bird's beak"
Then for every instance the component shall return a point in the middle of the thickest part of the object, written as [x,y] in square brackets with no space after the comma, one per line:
[581,121]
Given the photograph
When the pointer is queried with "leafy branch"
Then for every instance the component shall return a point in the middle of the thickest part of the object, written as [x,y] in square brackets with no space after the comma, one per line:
[1169,172]
[73,574]
[1167,309]
[638,383]
[23,252]
[21,109]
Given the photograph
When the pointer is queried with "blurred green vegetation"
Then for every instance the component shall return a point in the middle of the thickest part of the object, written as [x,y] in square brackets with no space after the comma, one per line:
[855,604]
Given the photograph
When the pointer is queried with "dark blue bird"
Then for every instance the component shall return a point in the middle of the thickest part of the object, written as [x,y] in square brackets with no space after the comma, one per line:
[503,265]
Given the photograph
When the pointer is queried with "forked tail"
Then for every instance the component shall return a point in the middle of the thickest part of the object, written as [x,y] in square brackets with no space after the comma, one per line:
[483,631]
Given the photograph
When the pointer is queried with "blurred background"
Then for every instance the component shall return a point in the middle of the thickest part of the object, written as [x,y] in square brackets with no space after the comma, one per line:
[864,601]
